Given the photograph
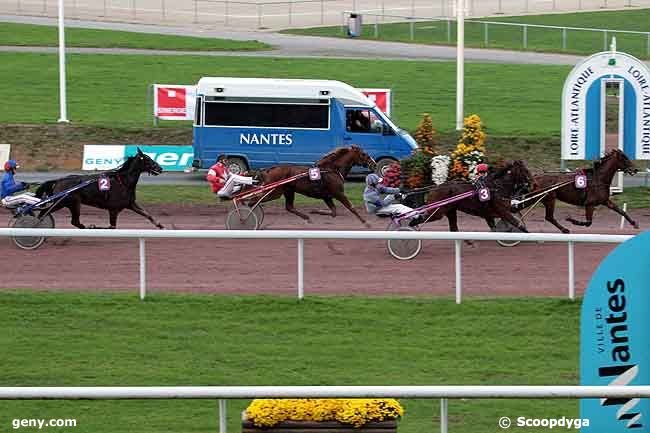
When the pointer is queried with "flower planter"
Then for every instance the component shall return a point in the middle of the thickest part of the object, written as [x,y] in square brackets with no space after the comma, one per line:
[321,427]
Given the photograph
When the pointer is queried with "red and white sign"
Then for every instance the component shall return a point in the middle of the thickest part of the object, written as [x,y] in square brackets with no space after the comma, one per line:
[173,102]
[381,97]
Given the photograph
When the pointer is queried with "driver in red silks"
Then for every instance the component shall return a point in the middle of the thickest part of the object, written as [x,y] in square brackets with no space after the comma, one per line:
[222,181]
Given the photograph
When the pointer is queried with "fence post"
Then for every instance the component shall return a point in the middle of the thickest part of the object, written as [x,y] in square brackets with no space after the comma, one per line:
[104,9]
[143,270]
[525,29]
[44,7]
[132,9]
[459,291]
[223,424]
[412,8]
[343,23]
[259,15]
[290,11]
[500,11]
[301,269]
[526,7]
[376,27]
[486,35]
[226,17]
[412,29]
[19,7]
[553,4]
[196,11]
[322,12]
[162,7]
[564,38]
[648,45]
[383,11]
[604,40]
[444,423]
[572,286]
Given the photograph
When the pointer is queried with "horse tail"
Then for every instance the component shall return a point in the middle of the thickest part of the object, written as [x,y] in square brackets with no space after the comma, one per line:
[45,189]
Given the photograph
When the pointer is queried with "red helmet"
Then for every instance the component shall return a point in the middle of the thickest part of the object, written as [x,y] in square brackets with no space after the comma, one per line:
[482,168]
[10,165]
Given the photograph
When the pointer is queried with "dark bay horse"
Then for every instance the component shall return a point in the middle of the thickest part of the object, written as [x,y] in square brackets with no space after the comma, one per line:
[599,179]
[504,183]
[120,196]
[334,166]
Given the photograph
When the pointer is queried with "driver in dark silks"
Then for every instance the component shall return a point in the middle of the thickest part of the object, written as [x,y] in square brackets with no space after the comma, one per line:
[9,186]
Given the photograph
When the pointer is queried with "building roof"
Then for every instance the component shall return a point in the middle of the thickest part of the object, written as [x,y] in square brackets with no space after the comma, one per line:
[282,88]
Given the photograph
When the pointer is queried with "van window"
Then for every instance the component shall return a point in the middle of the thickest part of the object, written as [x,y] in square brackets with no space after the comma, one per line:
[267,115]
[363,120]
[197,111]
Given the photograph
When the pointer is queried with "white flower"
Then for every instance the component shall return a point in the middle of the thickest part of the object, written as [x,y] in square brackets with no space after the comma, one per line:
[440,169]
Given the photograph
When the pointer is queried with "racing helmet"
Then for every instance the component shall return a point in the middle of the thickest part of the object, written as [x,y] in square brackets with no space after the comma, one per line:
[373,179]
[482,168]
[11,165]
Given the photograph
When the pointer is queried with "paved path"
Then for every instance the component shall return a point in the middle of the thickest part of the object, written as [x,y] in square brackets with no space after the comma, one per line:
[299,46]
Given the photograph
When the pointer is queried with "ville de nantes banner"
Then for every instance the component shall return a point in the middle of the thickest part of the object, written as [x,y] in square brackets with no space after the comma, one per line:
[615,338]
[583,106]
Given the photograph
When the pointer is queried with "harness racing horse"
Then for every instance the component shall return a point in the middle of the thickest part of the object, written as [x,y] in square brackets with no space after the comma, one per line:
[334,166]
[599,179]
[511,179]
[121,195]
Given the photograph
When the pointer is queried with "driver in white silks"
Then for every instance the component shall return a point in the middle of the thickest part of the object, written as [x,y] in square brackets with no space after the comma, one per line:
[223,181]
[377,205]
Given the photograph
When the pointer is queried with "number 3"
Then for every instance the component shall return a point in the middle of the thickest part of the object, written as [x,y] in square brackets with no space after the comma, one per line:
[484,194]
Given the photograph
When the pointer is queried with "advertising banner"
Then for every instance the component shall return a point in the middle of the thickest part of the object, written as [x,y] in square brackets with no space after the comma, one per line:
[381,97]
[174,102]
[614,338]
[5,150]
[108,157]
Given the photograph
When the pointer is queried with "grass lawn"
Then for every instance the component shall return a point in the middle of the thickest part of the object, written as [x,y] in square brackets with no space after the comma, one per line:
[508,37]
[47,36]
[112,90]
[635,197]
[92,339]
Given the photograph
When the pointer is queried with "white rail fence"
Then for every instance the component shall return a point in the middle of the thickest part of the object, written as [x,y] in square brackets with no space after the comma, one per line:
[223,393]
[300,236]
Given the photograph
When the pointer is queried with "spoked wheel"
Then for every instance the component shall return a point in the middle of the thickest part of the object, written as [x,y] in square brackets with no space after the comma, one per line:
[242,218]
[259,213]
[31,222]
[504,226]
[403,249]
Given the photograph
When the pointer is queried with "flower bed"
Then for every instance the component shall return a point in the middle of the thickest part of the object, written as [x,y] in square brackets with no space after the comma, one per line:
[344,413]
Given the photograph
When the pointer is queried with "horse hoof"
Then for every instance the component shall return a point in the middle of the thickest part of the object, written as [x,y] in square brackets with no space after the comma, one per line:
[368,226]
[636,225]
[566,231]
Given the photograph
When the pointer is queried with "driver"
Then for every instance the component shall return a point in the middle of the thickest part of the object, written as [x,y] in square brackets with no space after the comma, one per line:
[375,204]
[222,181]
[9,186]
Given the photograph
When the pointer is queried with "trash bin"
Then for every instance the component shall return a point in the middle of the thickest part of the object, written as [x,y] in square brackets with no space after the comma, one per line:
[354,25]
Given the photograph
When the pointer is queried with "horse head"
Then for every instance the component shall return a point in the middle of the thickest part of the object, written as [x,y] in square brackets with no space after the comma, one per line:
[514,178]
[144,163]
[362,158]
[623,162]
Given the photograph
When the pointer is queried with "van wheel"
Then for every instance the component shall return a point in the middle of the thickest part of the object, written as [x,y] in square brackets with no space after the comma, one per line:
[237,165]
[382,166]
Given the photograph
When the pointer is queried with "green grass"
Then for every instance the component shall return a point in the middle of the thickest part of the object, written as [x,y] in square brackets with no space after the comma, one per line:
[90,339]
[509,37]
[112,90]
[635,197]
[47,36]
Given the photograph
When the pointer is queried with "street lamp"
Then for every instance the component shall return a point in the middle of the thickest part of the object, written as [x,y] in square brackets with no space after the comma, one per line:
[460,62]
[63,116]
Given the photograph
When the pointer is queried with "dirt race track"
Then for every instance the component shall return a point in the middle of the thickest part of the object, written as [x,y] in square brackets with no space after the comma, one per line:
[331,267]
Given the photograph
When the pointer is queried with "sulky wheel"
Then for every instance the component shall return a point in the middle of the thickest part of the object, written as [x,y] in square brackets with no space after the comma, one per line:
[259,213]
[504,226]
[242,218]
[31,222]
[404,249]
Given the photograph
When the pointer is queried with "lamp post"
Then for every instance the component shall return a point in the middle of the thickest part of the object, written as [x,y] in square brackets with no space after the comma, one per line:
[460,62]
[63,115]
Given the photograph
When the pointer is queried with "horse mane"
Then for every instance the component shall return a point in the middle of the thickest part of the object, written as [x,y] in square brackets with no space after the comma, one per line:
[332,156]
[610,153]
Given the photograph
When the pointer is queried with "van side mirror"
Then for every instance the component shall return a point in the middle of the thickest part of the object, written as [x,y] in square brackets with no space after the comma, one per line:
[387,130]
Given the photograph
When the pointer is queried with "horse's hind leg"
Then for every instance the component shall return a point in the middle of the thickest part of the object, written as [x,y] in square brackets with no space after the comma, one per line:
[549,207]
[330,204]
[137,209]
[589,213]
[345,202]
[289,197]
[613,206]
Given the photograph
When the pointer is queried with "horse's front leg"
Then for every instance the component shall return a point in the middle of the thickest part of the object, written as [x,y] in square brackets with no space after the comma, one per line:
[549,208]
[345,202]
[137,209]
[613,206]
[589,213]
[490,222]
[75,213]
[330,204]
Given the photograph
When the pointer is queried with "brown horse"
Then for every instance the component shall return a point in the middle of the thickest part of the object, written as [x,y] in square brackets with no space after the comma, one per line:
[504,183]
[334,166]
[599,179]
